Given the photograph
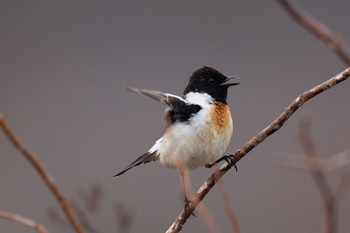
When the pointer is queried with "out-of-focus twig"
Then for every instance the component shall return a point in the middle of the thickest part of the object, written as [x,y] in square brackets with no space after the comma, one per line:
[24,221]
[203,212]
[44,174]
[329,199]
[59,221]
[83,219]
[343,186]
[91,197]
[326,165]
[254,142]
[124,217]
[320,30]
[319,168]
[227,206]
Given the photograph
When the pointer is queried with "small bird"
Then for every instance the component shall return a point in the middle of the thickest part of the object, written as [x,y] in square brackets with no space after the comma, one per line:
[198,125]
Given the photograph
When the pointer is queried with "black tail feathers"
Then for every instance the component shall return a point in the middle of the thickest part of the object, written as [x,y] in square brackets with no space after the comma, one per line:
[145,158]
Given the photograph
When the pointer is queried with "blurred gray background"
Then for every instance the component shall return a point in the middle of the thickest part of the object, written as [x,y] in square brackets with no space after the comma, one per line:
[64,66]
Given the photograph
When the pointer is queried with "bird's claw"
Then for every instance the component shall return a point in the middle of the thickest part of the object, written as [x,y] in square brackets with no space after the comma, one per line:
[230,159]
[187,206]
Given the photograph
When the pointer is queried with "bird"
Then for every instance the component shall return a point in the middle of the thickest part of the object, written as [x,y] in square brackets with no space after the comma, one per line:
[198,124]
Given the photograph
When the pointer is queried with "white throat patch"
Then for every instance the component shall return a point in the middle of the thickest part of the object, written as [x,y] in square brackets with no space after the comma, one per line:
[201,99]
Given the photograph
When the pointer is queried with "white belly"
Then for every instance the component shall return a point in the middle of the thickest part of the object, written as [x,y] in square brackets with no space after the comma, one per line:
[195,144]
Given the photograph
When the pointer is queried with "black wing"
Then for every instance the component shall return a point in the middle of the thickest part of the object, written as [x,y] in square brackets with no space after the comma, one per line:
[180,108]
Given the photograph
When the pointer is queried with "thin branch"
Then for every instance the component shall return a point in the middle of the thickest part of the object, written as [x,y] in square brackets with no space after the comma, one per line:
[343,186]
[91,198]
[24,221]
[203,212]
[329,200]
[44,174]
[327,165]
[227,206]
[320,30]
[207,218]
[124,217]
[319,168]
[84,220]
[254,142]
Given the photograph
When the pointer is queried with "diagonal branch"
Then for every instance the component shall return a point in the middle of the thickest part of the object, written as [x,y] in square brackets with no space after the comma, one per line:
[321,31]
[44,174]
[24,221]
[254,142]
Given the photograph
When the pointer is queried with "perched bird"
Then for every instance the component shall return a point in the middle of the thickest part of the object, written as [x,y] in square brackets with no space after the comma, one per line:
[198,124]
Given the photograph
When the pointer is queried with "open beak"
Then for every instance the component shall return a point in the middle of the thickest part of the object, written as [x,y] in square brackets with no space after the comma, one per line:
[228,79]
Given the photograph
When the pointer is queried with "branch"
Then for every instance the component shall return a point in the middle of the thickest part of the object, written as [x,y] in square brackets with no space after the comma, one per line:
[203,212]
[320,180]
[320,30]
[319,168]
[44,174]
[124,217]
[254,142]
[227,207]
[24,221]
[327,165]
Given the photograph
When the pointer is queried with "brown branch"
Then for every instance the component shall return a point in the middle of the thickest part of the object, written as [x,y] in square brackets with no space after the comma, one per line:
[320,30]
[254,142]
[203,212]
[24,221]
[44,174]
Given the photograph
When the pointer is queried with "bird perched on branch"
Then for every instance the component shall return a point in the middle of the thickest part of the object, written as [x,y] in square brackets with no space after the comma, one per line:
[198,124]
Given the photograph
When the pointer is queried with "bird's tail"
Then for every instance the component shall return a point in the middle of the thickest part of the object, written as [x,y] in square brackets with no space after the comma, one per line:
[145,158]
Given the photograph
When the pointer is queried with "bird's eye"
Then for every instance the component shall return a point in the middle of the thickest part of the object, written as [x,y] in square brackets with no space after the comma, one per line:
[211,81]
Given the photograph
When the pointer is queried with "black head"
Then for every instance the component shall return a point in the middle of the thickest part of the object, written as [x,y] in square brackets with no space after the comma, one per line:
[211,81]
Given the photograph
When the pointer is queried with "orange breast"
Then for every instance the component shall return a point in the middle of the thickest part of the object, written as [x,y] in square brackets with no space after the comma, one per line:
[221,116]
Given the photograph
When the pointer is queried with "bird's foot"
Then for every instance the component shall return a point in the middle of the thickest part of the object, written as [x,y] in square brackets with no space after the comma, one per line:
[230,159]
[187,206]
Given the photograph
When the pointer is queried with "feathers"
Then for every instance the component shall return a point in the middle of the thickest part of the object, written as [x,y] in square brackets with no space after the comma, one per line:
[156,95]
[151,155]
[181,109]
[145,158]
[198,124]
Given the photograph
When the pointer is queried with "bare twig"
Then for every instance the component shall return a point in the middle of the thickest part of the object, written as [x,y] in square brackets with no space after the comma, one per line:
[319,168]
[84,220]
[203,212]
[91,198]
[44,174]
[227,206]
[24,221]
[327,165]
[321,31]
[124,217]
[207,218]
[343,186]
[59,221]
[320,180]
[254,142]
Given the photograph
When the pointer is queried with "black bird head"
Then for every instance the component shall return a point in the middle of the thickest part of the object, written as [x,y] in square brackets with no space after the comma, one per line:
[210,81]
